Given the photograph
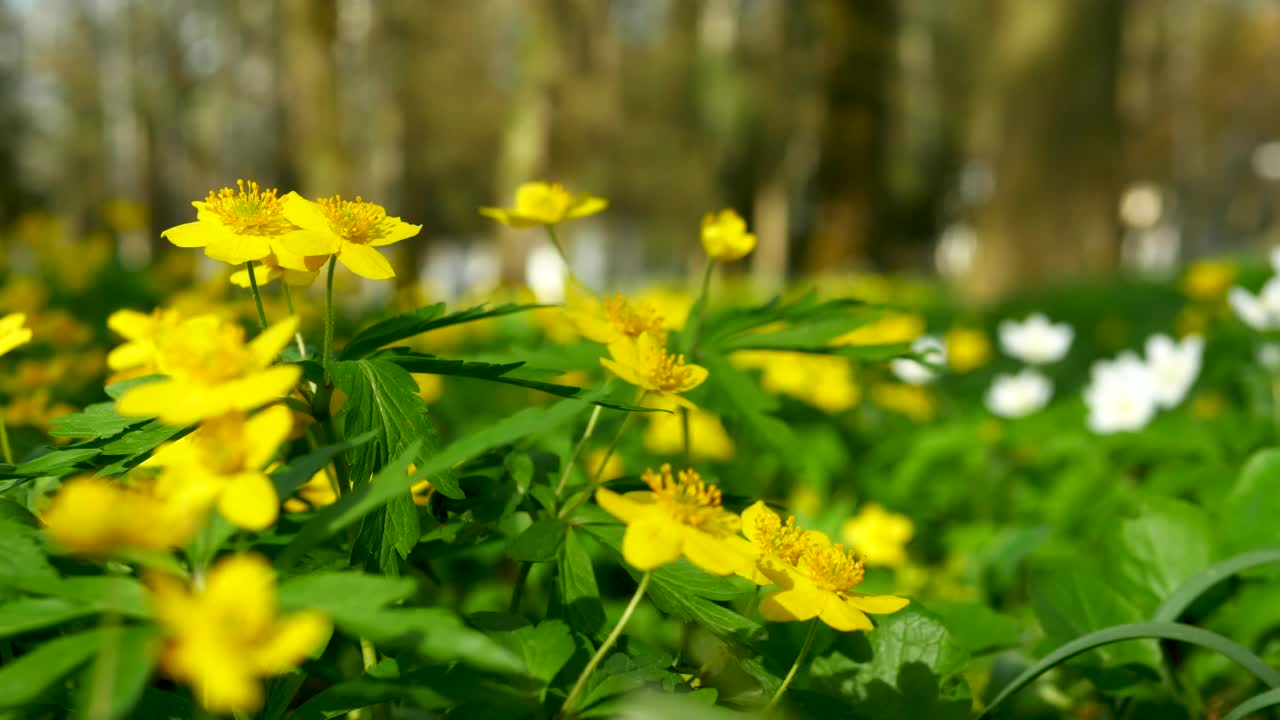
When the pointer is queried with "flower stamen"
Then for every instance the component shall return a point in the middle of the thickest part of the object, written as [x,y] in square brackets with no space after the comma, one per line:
[249,208]
[355,221]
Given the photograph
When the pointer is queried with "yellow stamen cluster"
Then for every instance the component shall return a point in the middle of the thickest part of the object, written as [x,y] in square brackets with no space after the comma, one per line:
[668,372]
[249,209]
[833,568]
[353,220]
[781,540]
[216,354]
[631,320]
[221,444]
[685,494]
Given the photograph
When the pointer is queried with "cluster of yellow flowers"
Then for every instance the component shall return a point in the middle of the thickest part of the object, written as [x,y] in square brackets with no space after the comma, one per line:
[682,515]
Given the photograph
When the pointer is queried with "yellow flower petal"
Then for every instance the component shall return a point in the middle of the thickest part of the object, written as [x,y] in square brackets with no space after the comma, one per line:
[261,388]
[843,616]
[262,272]
[264,433]
[268,344]
[131,324]
[877,604]
[150,399]
[584,205]
[245,585]
[791,605]
[623,371]
[309,242]
[650,544]
[249,501]
[236,248]
[394,231]
[365,261]
[716,555]
[628,508]
[293,639]
[306,214]
[753,516]
[188,235]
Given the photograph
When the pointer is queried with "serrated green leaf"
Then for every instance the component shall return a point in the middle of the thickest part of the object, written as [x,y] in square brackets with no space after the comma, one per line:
[21,553]
[1151,555]
[540,542]
[975,627]
[56,463]
[141,440]
[95,421]
[289,478]
[387,536]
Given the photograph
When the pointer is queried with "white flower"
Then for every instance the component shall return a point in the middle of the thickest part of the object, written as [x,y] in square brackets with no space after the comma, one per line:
[909,371]
[1260,312]
[1015,396]
[1036,341]
[1174,367]
[1121,395]
[1269,356]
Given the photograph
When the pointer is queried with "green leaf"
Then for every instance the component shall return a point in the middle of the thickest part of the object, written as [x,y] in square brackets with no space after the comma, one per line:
[1151,555]
[33,613]
[299,470]
[387,536]
[622,674]
[144,439]
[1247,518]
[576,581]
[95,421]
[113,683]
[546,649]
[417,322]
[20,552]
[394,479]
[457,688]
[12,512]
[975,627]
[342,594]
[25,679]
[1134,631]
[56,463]
[1258,702]
[740,398]
[435,634]
[540,542]
[117,389]
[1191,589]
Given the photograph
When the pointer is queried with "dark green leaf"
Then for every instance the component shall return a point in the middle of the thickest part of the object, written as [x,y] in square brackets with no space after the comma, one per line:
[25,679]
[95,421]
[417,322]
[299,470]
[579,593]
[540,542]
[114,681]
[975,627]
[57,462]
[1179,600]
[143,439]
[20,553]
[546,649]
[33,613]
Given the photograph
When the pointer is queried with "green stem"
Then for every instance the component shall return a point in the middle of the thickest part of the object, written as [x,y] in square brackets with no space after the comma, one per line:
[700,309]
[257,296]
[606,646]
[791,674]
[328,320]
[4,440]
[517,593]
[555,240]
[297,336]
[594,481]
[577,450]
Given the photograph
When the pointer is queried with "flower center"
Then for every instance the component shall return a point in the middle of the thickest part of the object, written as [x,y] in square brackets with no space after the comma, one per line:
[668,372]
[203,353]
[250,209]
[355,221]
[686,496]
[221,443]
[631,320]
[552,202]
[832,568]
[784,541]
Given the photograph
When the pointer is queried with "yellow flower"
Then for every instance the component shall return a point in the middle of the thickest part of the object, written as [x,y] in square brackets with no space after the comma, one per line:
[212,371]
[913,401]
[351,229]
[680,515]
[430,387]
[125,215]
[421,491]
[540,203]
[889,329]
[708,440]
[314,493]
[281,264]
[823,381]
[646,364]
[225,636]
[236,226]
[140,331]
[671,305]
[222,461]
[820,585]
[880,535]
[613,468]
[12,332]
[613,319]
[1209,280]
[95,516]
[967,348]
[725,236]
[776,543]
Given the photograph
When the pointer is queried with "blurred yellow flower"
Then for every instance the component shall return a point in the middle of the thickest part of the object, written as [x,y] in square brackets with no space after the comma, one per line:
[671,305]
[236,226]
[224,637]
[914,401]
[891,328]
[647,365]
[613,467]
[281,264]
[314,493]
[1192,320]
[967,349]
[222,462]
[95,516]
[13,332]
[725,236]
[212,371]
[820,585]
[1209,280]
[348,229]
[879,535]
[35,409]
[679,515]
[1208,405]
[540,203]
[615,318]
[806,500]
[140,331]
[823,381]
[708,440]
[430,387]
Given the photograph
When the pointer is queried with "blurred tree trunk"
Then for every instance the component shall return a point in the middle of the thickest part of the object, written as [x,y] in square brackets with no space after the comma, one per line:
[309,29]
[858,49]
[1046,122]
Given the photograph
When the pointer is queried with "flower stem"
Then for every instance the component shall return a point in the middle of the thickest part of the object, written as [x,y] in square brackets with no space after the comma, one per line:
[4,440]
[297,336]
[791,674]
[700,309]
[606,646]
[594,478]
[577,450]
[517,592]
[257,296]
[555,240]
[328,319]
